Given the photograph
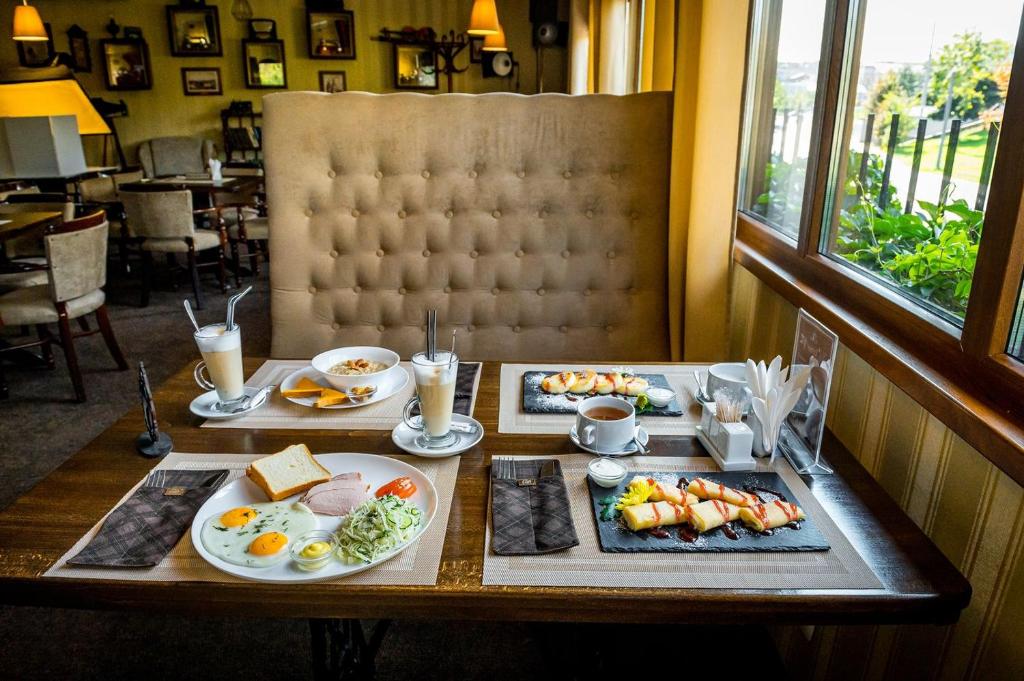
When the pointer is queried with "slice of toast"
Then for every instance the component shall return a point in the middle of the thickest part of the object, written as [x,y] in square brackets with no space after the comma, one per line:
[290,471]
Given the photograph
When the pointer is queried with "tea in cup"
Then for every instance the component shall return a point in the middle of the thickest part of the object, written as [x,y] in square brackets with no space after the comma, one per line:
[605,424]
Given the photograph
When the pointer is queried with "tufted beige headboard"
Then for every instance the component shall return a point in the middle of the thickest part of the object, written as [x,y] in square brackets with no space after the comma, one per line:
[537,225]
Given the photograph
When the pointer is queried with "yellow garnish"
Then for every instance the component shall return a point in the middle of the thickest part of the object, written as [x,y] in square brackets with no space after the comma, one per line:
[638,492]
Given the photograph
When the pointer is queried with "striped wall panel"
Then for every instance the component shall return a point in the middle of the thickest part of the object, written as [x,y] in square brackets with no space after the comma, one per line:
[972,511]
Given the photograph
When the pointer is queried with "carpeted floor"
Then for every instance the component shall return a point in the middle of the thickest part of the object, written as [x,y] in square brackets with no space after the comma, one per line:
[40,427]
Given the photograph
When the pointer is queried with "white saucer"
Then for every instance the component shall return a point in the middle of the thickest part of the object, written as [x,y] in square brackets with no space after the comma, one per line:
[202,406]
[393,380]
[404,438]
[625,451]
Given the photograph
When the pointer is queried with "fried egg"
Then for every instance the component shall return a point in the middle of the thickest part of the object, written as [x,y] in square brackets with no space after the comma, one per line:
[256,535]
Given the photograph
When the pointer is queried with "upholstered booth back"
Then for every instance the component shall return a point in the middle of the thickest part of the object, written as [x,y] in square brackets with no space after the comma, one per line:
[536,225]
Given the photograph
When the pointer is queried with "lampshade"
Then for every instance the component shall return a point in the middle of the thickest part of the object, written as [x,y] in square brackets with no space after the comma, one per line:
[48,92]
[28,25]
[496,41]
[483,20]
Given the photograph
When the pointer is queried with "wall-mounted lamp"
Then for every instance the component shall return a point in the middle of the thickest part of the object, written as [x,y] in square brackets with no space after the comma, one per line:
[241,10]
[28,25]
[483,19]
[496,41]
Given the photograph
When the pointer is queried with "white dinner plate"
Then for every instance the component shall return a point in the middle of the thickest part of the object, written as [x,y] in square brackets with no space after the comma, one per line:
[393,380]
[376,470]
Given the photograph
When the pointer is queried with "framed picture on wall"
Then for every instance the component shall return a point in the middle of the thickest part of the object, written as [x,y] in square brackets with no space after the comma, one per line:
[78,48]
[333,81]
[331,35]
[264,64]
[415,67]
[126,64]
[201,81]
[36,52]
[476,49]
[194,30]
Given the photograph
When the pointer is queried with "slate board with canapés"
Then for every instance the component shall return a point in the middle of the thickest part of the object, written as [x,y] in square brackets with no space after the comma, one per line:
[537,400]
[681,535]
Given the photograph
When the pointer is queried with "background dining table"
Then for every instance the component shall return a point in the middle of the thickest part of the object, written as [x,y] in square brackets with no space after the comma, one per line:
[15,224]
[919,585]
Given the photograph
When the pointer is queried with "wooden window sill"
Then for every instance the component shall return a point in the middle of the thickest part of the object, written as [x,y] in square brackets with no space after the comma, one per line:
[980,400]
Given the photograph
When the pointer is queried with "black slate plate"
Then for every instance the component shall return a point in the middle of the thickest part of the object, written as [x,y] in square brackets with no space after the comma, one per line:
[615,537]
[536,401]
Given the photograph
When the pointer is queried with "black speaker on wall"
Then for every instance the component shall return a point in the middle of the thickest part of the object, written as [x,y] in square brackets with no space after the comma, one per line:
[550,28]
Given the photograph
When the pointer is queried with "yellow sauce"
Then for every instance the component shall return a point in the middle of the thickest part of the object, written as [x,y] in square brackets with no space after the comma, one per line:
[316,549]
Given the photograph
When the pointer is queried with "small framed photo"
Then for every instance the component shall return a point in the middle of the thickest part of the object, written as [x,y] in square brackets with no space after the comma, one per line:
[333,81]
[194,30]
[78,48]
[264,64]
[331,35]
[415,67]
[36,52]
[201,81]
[126,64]
[476,49]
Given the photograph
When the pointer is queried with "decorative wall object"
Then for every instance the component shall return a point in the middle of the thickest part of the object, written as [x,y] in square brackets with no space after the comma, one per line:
[126,64]
[201,81]
[194,30]
[330,30]
[78,48]
[476,49]
[333,81]
[36,52]
[263,56]
[415,67]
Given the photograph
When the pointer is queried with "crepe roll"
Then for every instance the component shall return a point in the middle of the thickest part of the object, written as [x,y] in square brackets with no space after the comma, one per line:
[768,516]
[653,514]
[706,489]
[663,492]
[584,383]
[707,515]
[559,383]
[605,384]
[633,386]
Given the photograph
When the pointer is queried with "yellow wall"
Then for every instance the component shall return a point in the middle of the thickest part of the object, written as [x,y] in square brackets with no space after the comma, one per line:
[972,511]
[165,110]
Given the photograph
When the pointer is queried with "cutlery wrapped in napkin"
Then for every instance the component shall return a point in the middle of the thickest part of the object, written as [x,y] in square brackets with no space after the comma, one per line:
[142,530]
[530,510]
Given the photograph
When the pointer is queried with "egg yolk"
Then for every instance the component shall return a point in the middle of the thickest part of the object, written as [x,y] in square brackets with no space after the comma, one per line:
[268,544]
[237,517]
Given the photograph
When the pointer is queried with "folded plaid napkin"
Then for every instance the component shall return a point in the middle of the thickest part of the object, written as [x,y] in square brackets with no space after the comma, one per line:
[530,507]
[465,379]
[142,530]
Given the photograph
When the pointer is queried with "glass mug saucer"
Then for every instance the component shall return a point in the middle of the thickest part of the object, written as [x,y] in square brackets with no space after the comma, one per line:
[435,395]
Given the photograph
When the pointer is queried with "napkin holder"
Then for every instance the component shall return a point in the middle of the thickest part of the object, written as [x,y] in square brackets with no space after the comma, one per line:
[729,444]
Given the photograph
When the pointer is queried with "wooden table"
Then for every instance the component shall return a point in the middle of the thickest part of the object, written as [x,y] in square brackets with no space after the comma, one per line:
[921,585]
[197,185]
[18,223]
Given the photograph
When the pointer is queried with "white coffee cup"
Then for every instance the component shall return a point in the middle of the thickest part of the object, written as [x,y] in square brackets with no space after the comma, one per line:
[731,379]
[597,431]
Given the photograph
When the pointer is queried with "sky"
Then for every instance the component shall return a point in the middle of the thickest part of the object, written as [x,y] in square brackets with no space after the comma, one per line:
[899,30]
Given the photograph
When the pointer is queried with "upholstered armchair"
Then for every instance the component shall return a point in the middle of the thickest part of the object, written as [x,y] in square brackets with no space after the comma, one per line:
[27,253]
[163,156]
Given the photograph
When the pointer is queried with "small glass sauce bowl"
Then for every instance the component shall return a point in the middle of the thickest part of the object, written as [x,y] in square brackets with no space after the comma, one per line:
[606,472]
[660,397]
[314,563]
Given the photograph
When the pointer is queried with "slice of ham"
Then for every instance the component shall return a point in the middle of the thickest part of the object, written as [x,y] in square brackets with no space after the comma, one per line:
[337,496]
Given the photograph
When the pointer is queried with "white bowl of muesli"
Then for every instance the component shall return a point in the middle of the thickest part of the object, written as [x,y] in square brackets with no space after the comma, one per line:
[360,366]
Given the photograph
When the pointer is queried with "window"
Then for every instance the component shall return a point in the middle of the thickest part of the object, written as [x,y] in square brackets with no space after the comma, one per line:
[1016,345]
[911,169]
[781,90]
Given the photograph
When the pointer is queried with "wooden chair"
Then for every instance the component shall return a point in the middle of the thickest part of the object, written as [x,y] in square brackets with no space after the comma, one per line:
[103,190]
[164,222]
[27,253]
[246,227]
[76,255]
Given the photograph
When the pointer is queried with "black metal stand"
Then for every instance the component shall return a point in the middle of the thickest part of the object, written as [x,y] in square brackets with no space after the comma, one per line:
[340,649]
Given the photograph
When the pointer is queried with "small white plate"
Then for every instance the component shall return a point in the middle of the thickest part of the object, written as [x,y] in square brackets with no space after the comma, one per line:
[202,406]
[376,470]
[393,380]
[625,451]
[404,438]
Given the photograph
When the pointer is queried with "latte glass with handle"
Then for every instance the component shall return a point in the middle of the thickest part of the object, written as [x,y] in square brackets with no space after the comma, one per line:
[221,366]
[435,394]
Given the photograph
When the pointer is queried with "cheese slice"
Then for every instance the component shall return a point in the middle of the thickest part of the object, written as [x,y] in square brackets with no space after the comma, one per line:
[306,387]
[329,398]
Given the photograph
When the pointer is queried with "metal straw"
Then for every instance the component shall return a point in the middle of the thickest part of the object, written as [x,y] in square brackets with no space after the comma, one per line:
[191,315]
[451,356]
[432,335]
[229,324]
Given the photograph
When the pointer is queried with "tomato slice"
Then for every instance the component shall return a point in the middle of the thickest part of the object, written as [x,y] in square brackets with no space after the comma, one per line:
[403,488]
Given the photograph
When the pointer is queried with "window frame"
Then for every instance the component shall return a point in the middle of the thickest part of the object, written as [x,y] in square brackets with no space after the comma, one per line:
[965,377]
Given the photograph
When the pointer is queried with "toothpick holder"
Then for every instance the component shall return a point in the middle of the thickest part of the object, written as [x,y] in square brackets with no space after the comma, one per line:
[729,444]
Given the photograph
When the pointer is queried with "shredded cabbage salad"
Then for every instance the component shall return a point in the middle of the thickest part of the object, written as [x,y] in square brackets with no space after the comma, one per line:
[377,527]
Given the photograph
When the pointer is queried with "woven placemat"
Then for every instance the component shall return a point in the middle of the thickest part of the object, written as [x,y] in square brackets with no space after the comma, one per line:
[417,565]
[279,412]
[512,418]
[586,565]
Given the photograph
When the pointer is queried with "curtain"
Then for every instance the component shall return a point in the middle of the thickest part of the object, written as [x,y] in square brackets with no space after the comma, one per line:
[657,59]
[605,39]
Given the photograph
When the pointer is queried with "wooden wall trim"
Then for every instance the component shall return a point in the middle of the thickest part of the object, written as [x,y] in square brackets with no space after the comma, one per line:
[966,408]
